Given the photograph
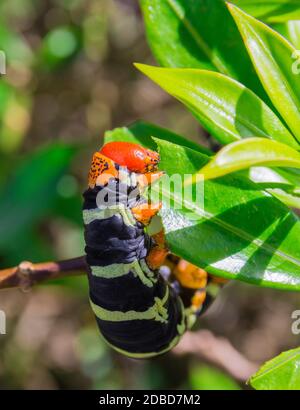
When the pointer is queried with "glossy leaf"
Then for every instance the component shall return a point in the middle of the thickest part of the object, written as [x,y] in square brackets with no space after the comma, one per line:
[278,182]
[280,373]
[240,233]
[291,31]
[294,32]
[275,177]
[227,109]
[271,11]
[198,34]
[288,199]
[269,177]
[31,191]
[272,56]
[251,152]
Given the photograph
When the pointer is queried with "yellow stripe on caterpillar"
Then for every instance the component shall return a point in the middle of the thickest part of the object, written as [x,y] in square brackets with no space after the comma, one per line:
[147,355]
[181,328]
[139,269]
[156,312]
[90,215]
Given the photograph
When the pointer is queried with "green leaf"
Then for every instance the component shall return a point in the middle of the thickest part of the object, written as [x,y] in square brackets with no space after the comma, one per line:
[272,56]
[270,11]
[275,177]
[226,108]
[240,233]
[288,199]
[251,152]
[141,132]
[280,373]
[32,190]
[209,378]
[198,34]
[291,31]
[270,177]
[294,32]
[278,182]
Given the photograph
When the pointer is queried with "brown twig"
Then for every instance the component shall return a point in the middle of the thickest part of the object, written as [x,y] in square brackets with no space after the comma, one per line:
[219,351]
[27,274]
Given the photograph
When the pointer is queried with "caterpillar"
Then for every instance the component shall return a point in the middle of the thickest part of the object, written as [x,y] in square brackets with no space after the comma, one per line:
[140,311]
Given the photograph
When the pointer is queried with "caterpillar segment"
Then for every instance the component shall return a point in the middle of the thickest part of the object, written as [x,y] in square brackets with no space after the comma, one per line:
[138,312]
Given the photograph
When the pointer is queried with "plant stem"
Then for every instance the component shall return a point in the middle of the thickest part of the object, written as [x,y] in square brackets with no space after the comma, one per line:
[27,274]
[219,351]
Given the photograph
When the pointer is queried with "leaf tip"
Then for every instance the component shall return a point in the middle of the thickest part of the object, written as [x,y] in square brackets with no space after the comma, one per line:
[233,9]
[229,5]
[141,67]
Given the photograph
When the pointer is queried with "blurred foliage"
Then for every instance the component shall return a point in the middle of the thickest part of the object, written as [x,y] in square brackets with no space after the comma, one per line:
[208,378]
[69,77]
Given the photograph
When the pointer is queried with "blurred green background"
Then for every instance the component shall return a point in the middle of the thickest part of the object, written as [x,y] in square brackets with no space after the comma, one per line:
[69,78]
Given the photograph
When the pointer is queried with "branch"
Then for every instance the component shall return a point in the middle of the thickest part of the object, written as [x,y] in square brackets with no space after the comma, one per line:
[27,274]
[219,351]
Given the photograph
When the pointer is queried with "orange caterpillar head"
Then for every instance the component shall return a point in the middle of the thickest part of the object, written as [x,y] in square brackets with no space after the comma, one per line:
[133,156]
